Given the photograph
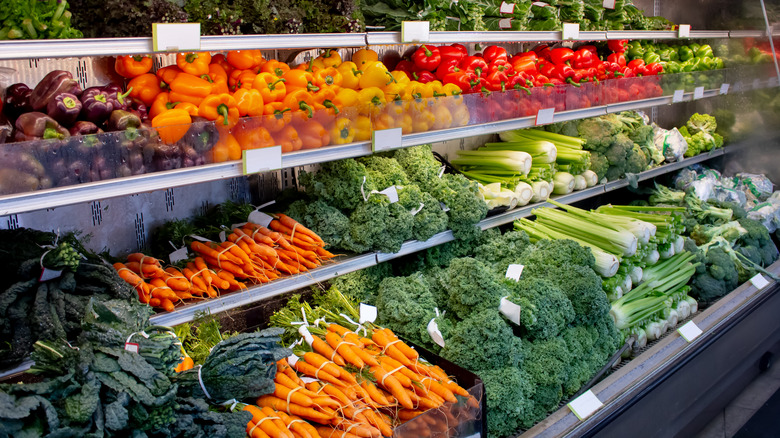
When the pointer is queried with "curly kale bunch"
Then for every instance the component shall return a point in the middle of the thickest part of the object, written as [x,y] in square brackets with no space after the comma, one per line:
[509,392]
[363,285]
[472,286]
[483,341]
[545,308]
[465,203]
[380,225]
[429,218]
[405,306]
[500,251]
[330,223]
[340,183]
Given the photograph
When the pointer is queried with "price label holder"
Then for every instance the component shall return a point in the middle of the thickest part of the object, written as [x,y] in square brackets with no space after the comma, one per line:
[571,31]
[684,31]
[506,8]
[514,272]
[678,96]
[415,31]
[585,405]
[759,281]
[724,88]
[689,331]
[608,4]
[504,23]
[132,347]
[698,93]
[367,313]
[260,218]
[261,160]
[178,255]
[510,310]
[49,274]
[433,330]
[175,37]
[386,139]
[545,116]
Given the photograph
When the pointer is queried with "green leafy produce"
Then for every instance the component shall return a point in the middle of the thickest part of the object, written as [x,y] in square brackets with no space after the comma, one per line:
[466,206]
[756,244]
[546,310]
[330,223]
[35,19]
[509,393]
[716,274]
[472,286]
[363,285]
[117,18]
[547,362]
[339,183]
[429,218]
[380,225]
[384,171]
[500,251]
[483,341]
[405,306]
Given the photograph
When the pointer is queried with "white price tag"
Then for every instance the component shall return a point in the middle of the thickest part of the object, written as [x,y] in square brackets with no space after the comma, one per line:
[585,405]
[444,208]
[678,96]
[417,210]
[506,8]
[505,23]
[698,93]
[545,116]
[201,238]
[433,330]
[724,88]
[514,272]
[391,193]
[415,31]
[689,331]
[608,4]
[175,37]
[292,359]
[542,4]
[178,255]
[441,171]
[49,274]
[684,31]
[367,313]
[309,379]
[571,31]
[386,139]
[222,236]
[132,347]
[260,218]
[261,160]
[756,83]
[510,310]
[759,281]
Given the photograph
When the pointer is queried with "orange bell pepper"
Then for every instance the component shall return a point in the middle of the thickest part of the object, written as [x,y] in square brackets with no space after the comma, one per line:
[313,134]
[218,78]
[300,100]
[181,97]
[226,148]
[330,58]
[168,74]
[220,107]
[350,75]
[221,60]
[190,107]
[130,66]
[328,77]
[144,88]
[241,79]
[246,59]
[190,85]
[363,57]
[271,87]
[276,68]
[172,124]
[194,63]
[277,119]
[342,131]
[249,102]
[251,134]
[288,139]
[299,79]
[161,103]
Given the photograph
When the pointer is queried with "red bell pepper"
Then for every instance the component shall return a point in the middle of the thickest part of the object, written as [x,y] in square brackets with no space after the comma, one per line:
[524,64]
[421,75]
[617,46]
[405,66]
[474,64]
[584,58]
[451,53]
[542,51]
[590,48]
[492,53]
[638,66]
[447,67]
[497,80]
[427,57]
[466,81]
[654,68]
[561,55]
[617,58]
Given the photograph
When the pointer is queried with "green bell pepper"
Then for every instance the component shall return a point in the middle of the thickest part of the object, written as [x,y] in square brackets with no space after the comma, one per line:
[686,53]
[665,54]
[718,63]
[674,54]
[704,51]
[635,50]
[651,57]
[671,67]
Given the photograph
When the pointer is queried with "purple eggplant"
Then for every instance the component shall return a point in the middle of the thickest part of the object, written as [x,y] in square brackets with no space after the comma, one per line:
[36,125]
[54,83]
[84,127]
[64,108]
[17,100]
[97,106]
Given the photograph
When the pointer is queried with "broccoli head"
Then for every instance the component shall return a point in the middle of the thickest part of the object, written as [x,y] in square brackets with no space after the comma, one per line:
[569,128]
[465,203]
[701,123]
[327,221]
[557,253]
[756,244]
[599,164]
[379,225]
[472,286]
[637,160]
[731,231]
[384,171]
[405,306]
[339,183]
[429,218]
[545,308]
[547,362]
[598,132]
[581,285]
[508,392]
[502,250]
[642,135]
[702,142]
[716,275]
[362,285]
[483,341]
[618,150]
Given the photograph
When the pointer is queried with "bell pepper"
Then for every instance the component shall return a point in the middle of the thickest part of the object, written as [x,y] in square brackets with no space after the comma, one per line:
[442,117]
[17,100]
[300,100]
[375,75]
[423,118]
[524,64]
[64,108]
[271,87]
[346,98]
[161,103]
[492,53]
[363,128]
[422,76]
[342,131]
[251,134]
[497,80]
[401,78]
[221,108]
[249,102]
[172,124]
[189,88]
[299,79]
[194,63]
[617,58]
[225,149]
[250,59]
[276,68]
[190,107]
[399,115]
[218,78]
[330,58]
[130,66]
[363,57]
[121,120]
[419,90]
[54,83]
[406,66]
[637,66]
[96,106]
[328,77]
[427,57]
[451,53]
[473,64]
[241,79]
[664,54]
[118,99]
[542,51]
[460,114]
[704,51]
[561,55]
[36,125]
[651,57]
[635,50]
[168,74]
[465,81]
[83,127]
[371,100]
[654,68]
[221,60]
[445,68]
[584,58]
[288,139]
[276,119]
[350,75]
[617,46]
[312,134]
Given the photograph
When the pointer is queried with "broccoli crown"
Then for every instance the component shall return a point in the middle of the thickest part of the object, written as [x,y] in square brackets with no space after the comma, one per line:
[756,244]
[731,231]
[405,306]
[467,207]
[557,253]
[502,251]
[339,183]
[737,211]
[642,135]
[430,219]
[384,171]
[617,152]
[569,128]
[483,341]
[637,161]
[328,222]
[716,275]
[701,123]
[580,284]
[379,225]
[547,362]
[599,164]
[472,286]
[598,132]
[508,394]
[362,285]
[702,142]
[545,308]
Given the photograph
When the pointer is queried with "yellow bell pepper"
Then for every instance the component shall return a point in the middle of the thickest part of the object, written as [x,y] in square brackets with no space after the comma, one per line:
[347,98]
[400,77]
[442,117]
[362,126]
[371,100]
[330,58]
[342,131]
[350,75]
[399,111]
[460,115]
[364,56]
[418,90]
[394,91]
[376,76]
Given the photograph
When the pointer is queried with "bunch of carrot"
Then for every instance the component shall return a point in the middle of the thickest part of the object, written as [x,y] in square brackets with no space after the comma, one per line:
[251,253]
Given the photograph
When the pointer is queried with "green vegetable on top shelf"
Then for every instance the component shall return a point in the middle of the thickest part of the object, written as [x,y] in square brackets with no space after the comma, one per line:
[36,19]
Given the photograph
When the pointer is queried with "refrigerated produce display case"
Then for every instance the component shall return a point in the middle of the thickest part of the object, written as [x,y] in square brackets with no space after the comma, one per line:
[117,189]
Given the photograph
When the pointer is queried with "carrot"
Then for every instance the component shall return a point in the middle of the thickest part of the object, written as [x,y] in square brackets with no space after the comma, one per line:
[155,302]
[337,393]
[166,304]
[254,431]
[392,384]
[175,279]
[282,379]
[373,418]
[324,364]
[324,349]
[292,223]
[324,253]
[327,432]
[359,429]
[389,347]
[408,414]
[270,413]
[408,351]
[317,373]
[292,395]
[146,270]
[236,251]
[227,266]
[340,330]
[208,250]
[293,409]
[143,259]
[266,423]
[326,402]
[374,393]
[343,349]
[363,354]
[296,425]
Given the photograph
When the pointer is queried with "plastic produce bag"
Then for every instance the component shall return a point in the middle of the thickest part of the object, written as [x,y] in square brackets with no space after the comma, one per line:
[723,193]
[767,213]
[757,188]
[671,143]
